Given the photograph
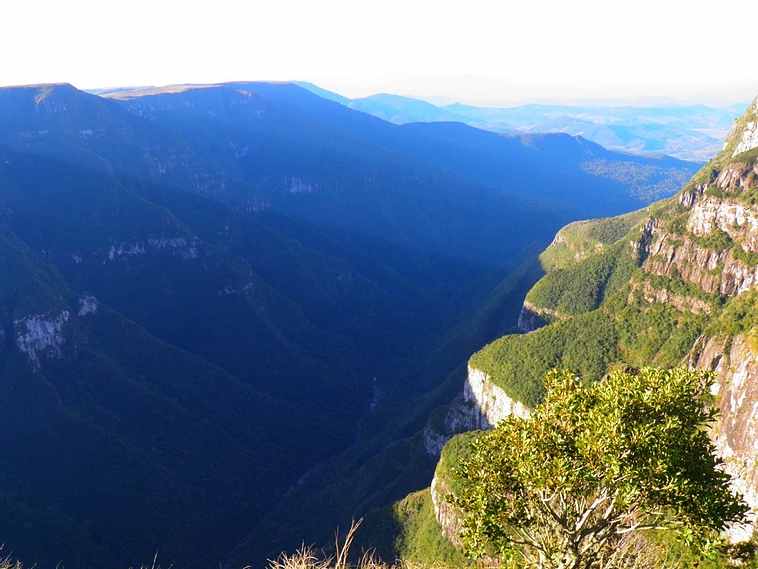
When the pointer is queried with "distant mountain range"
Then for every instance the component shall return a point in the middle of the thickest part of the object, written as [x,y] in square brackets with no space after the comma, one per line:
[209,292]
[690,132]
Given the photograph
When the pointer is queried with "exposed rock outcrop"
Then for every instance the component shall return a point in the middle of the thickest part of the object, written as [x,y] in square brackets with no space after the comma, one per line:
[717,205]
[41,335]
[434,440]
[735,219]
[722,208]
[682,302]
[697,254]
[533,317]
[88,305]
[749,135]
[183,247]
[48,336]
[641,247]
[736,432]
[490,403]
[712,271]
[447,518]
[737,177]
[481,406]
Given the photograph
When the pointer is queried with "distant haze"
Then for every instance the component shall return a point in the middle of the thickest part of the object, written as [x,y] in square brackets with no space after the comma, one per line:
[481,52]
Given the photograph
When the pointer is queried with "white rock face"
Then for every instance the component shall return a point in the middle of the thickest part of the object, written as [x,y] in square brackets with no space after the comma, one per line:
[126,250]
[710,270]
[300,186]
[434,441]
[87,305]
[229,290]
[40,335]
[534,317]
[738,278]
[461,416]
[186,248]
[447,518]
[490,403]
[749,139]
[736,432]
[481,406]
[178,246]
[738,221]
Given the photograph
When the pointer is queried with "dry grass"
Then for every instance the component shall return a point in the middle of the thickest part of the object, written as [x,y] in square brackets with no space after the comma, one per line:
[8,563]
[632,552]
[311,558]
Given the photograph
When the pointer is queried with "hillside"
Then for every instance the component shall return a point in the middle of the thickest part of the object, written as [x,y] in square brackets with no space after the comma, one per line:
[673,284]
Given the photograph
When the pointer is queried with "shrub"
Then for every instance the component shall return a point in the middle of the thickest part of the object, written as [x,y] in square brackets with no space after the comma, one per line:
[594,465]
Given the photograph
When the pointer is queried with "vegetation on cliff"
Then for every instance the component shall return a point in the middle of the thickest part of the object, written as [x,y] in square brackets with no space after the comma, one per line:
[420,540]
[649,288]
[583,286]
[633,289]
[579,240]
[587,343]
[594,464]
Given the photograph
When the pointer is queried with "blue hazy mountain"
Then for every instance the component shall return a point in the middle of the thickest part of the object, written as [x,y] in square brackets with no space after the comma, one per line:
[691,132]
[400,110]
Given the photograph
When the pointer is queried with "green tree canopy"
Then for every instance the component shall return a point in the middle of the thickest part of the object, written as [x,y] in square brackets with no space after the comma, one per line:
[595,465]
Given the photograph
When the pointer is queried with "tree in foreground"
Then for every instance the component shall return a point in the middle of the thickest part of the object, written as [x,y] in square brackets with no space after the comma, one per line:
[596,467]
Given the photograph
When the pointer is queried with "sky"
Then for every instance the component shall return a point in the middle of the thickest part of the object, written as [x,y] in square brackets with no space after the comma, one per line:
[477,51]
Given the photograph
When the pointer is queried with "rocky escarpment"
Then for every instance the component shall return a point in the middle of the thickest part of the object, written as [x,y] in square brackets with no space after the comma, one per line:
[457,418]
[533,317]
[481,406]
[735,219]
[711,270]
[735,359]
[447,517]
[685,294]
[745,133]
[490,403]
[720,203]
[709,243]
[710,277]
[530,318]
[700,272]
[43,337]
[661,295]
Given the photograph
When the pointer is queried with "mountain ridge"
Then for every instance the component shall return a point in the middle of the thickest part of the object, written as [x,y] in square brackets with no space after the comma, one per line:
[686,131]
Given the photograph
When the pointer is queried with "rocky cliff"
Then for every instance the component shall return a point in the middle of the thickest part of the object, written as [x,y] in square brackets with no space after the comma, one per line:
[673,284]
[735,359]
[481,406]
[444,512]
[533,317]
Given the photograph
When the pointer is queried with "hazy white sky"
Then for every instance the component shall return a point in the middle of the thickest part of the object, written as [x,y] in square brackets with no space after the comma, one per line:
[479,51]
